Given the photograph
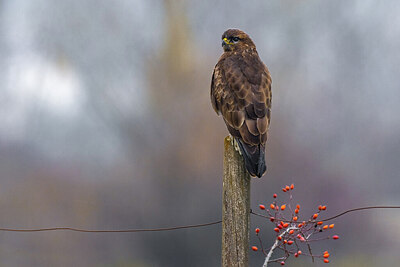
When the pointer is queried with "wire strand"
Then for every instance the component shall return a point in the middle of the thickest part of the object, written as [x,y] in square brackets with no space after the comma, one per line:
[358,209]
[169,228]
[338,215]
[109,231]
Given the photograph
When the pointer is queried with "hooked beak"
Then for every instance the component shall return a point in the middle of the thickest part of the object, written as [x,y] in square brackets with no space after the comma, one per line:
[226,42]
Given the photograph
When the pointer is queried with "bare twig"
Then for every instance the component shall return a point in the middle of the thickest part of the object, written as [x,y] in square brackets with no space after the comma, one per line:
[271,250]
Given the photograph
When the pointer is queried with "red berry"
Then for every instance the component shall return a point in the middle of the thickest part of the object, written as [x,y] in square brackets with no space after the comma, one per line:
[298,206]
[295,218]
[326,255]
[262,207]
[326,260]
[276,230]
[335,237]
[282,263]
[272,206]
[272,219]
[283,207]
[320,222]
[279,238]
[291,232]
[296,211]
[301,238]
[274,195]
[315,216]
[284,189]
[257,230]
[290,242]
[296,254]
[292,186]
[285,225]
[331,225]
[299,252]
[323,207]
[287,188]
[254,248]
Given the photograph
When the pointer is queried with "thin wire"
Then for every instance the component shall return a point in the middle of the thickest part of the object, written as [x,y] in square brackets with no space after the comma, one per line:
[168,228]
[363,208]
[109,231]
[338,215]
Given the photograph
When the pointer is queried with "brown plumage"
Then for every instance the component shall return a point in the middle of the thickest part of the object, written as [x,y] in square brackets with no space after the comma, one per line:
[241,92]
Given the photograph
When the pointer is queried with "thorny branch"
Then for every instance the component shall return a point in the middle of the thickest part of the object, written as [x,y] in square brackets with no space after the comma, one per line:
[291,233]
[271,250]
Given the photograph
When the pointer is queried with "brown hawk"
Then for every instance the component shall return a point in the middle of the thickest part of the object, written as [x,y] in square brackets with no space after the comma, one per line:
[241,92]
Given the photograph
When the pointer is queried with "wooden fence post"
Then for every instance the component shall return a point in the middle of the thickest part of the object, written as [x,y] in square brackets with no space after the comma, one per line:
[235,209]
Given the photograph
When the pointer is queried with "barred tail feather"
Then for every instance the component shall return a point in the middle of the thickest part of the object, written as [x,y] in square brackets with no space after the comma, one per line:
[254,158]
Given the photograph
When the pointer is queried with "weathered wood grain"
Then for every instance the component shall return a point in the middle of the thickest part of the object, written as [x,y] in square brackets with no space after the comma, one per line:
[235,209]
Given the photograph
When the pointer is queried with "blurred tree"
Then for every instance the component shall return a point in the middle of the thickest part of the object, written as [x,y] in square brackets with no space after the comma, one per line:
[172,70]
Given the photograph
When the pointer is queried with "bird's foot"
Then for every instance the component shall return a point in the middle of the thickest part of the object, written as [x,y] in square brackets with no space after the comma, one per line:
[236,145]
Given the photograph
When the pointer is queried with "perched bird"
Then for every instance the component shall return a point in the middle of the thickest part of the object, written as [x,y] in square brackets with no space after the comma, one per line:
[241,92]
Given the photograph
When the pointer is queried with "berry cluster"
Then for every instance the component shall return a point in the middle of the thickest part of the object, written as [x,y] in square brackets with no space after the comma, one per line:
[292,234]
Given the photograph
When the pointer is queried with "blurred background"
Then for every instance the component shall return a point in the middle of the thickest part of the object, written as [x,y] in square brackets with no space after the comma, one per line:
[106,122]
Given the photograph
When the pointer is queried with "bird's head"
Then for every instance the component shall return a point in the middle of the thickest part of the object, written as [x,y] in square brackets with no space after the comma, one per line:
[236,40]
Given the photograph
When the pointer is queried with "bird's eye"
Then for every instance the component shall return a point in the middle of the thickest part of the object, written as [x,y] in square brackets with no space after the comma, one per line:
[235,39]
